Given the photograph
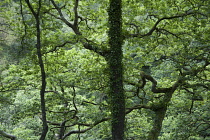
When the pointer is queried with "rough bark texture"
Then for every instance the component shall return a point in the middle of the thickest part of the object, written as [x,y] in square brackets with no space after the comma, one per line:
[157,126]
[117,98]
[160,108]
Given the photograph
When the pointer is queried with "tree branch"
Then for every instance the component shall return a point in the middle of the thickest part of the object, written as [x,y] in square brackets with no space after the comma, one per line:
[137,107]
[100,121]
[31,8]
[158,22]
[84,130]
[10,136]
[86,43]
[76,13]
[62,16]
[154,83]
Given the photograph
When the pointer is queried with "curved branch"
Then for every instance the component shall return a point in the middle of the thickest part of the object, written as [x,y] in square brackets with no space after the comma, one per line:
[85,42]
[90,126]
[84,130]
[137,107]
[63,18]
[7,135]
[158,22]
[59,46]
[154,84]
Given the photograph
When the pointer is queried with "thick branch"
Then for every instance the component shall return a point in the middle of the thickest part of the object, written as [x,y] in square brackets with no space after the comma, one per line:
[154,84]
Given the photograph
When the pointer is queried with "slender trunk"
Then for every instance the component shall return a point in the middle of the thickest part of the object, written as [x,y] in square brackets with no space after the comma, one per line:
[117,98]
[36,15]
[43,86]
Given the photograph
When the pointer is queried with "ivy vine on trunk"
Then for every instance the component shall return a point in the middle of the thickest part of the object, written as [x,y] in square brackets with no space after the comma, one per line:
[117,97]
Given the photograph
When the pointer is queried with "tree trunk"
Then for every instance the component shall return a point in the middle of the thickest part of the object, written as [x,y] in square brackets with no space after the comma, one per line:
[36,15]
[43,81]
[43,85]
[160,111]
[157,126]
[117,98]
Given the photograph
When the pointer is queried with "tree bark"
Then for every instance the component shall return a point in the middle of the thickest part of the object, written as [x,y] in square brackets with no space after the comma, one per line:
[161,108]
[157,126]
[117,97]
[36,15]
[43,85]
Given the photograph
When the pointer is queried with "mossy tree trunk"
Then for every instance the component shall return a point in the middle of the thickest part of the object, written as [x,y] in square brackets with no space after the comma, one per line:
[117,98]
[157,126]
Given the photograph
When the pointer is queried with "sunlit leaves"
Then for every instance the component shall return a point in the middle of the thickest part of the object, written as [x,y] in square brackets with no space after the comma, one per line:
[175,47]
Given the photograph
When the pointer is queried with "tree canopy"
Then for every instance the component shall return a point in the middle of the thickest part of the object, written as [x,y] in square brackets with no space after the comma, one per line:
[117,69]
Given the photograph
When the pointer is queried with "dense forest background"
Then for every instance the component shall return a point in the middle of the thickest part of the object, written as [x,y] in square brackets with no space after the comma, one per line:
[102,70]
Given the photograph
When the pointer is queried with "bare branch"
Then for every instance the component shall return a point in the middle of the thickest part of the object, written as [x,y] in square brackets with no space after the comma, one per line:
[89,103]
[90,126]
[154,87]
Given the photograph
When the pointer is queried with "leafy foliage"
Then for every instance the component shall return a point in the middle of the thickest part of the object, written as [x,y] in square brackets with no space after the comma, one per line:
[165,68]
